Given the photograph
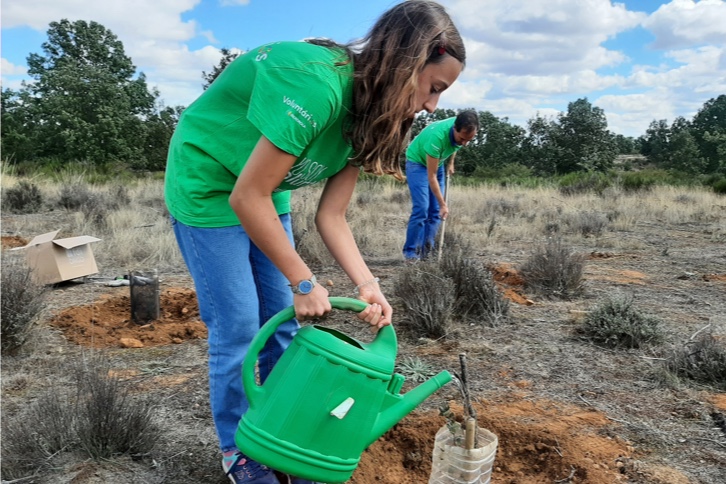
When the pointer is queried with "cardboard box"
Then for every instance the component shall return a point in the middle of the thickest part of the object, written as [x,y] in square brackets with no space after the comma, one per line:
[55,260]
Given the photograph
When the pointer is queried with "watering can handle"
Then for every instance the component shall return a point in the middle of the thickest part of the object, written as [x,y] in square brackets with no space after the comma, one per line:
[252,389]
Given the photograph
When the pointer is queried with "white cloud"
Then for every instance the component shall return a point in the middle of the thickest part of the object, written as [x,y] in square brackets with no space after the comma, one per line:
[535,37]
[537,54]
[10,69]
[684,23]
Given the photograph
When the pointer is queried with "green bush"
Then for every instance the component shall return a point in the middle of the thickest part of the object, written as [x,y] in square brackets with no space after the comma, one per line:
[617,323]
[720,186]
[25,197]
[702,360]
[584,182]
[639,181]
[23,301]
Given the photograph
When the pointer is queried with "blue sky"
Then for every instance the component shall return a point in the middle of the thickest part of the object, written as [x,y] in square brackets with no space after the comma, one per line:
[638,60]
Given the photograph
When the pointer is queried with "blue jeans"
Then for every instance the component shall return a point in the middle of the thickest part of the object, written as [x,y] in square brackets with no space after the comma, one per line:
[238,289]
[425,219]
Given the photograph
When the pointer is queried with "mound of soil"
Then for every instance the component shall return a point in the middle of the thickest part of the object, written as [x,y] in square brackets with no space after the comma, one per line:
[107,322]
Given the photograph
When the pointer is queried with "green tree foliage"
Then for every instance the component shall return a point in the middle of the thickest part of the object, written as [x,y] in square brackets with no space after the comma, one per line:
[159,126]
[227,57]
[540,149]
[497,144]
[584,138]
[654,144]
[15,122]
[84,102]
[709,133]
[625,145]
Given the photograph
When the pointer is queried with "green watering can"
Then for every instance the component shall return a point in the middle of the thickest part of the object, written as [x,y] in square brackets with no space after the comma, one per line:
[326,400]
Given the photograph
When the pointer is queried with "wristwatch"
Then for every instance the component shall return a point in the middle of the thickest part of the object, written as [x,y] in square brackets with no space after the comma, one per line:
[305,286]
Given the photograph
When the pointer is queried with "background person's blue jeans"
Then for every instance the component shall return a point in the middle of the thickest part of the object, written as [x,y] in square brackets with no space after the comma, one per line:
[238,289]
[425,219]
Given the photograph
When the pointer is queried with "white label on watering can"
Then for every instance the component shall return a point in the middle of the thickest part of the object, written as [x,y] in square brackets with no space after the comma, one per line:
[342,410]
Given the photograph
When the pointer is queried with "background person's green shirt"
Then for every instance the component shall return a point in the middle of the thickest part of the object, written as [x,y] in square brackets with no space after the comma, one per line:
[435,141]
[293,93]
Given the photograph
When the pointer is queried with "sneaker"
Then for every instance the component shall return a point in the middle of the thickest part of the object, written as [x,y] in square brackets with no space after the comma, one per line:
[242,470]
[287,479]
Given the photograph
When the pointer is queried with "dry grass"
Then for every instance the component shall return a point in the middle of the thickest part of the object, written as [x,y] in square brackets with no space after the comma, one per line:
[659,245]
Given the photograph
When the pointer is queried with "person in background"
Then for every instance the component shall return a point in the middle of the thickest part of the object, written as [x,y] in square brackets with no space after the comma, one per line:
[280,117]
[425,158]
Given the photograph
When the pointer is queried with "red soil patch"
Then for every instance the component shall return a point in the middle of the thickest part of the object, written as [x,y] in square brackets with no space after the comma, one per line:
[540,441]
[107,322]
[714,277]
[12,241]
[510,282]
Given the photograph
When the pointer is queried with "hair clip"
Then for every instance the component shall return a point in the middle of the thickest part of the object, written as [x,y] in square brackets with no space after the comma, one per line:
[442,50]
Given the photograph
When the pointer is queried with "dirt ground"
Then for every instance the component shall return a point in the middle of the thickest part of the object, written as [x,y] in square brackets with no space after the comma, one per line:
[563,410]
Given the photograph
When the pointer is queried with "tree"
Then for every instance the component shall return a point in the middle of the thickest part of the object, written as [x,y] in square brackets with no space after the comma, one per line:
[14,123]
[709,131]
[160,127]
[85,103]
[227,57]
[497,144]
[683,153]
[625,145]
[654,144]
[584,138]
[540,148]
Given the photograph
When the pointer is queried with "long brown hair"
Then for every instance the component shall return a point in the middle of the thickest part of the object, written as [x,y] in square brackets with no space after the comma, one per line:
[387,63]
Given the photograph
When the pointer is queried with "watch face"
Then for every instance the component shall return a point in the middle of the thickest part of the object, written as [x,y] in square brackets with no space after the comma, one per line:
[305,287]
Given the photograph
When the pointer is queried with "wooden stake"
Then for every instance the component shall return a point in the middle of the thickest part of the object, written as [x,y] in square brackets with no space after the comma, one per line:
[470,440]
[470,435]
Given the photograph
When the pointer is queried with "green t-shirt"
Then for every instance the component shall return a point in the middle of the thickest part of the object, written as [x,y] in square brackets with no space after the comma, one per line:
[294,93]
[434,140]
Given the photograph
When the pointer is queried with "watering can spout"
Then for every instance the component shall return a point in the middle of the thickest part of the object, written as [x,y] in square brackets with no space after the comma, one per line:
[401,405]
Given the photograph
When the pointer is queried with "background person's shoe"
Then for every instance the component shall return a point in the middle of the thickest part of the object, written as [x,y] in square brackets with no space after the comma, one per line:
[242,470]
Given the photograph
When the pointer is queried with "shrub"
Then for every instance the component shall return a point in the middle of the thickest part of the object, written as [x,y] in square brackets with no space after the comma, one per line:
[76,195]
[635,181]
[476,296]
[109,421]
[702,360]
[25,197]
[587,223]
[617,323]
[553,271]
[95,414]
[27,448]
[720,186]
[428,298]
[95,206]
[584,182]
[23,300]
[501,206]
